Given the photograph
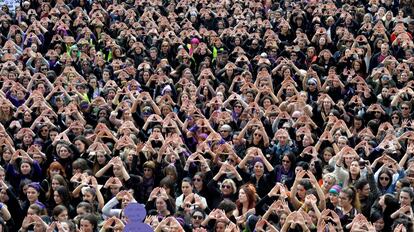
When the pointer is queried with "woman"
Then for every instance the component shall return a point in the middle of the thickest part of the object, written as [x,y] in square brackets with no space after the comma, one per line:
[258,138]
[285,173]
[123,199]
[99,160]
[6,155]
[406,203]
[385,181]
[60,213]
[55,168]
[261,180]
[199,183]
[88,223]
[162,206]
[227,190]
[246,202]
[33,192]
[187,190]
[349,204]
[386,205]
[56,182]
[28,169]
[61,196]
[333,198]
[82,145]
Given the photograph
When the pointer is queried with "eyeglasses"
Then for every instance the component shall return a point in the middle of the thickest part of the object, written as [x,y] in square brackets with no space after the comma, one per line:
[197,217]
[197,179]
[384,178]
[225,186]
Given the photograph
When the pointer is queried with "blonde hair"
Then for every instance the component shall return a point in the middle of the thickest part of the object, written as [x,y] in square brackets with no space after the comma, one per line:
[231,183]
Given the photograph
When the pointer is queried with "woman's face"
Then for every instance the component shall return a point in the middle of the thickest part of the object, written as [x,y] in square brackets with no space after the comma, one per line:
[357,66]
[348,160]
[88,197]
[384,180]
[160,204]
[7,155]
[25,168]
[327,156]
[301,191]
[226,188]
[333,198]
[238,108]
[64,153]
[53,172]
[32,194]
[379,225]
[186,188]
[197,181]
[405,199]
[220,227]
[258,169]
[354,168]
[286,163]
[267,103]
[326,103]
[27,139]
[184,97]
[57,198]
[27,117]
[117,169]
[148,173]
[344,200]
[100,158]
[86,226]
[242,196]
[55,184]
[80,145]
[306,141]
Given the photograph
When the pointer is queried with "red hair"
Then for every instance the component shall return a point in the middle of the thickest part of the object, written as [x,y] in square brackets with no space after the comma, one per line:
[56,165]
[250,191]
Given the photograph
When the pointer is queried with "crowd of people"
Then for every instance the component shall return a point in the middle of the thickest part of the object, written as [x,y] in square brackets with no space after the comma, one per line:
[224,116]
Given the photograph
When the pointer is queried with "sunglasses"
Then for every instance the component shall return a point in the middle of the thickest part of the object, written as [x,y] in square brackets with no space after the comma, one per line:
[405,108]
[197,217]
[197,179]
[384,178]
[237,106]
[225,186]
[259,135]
